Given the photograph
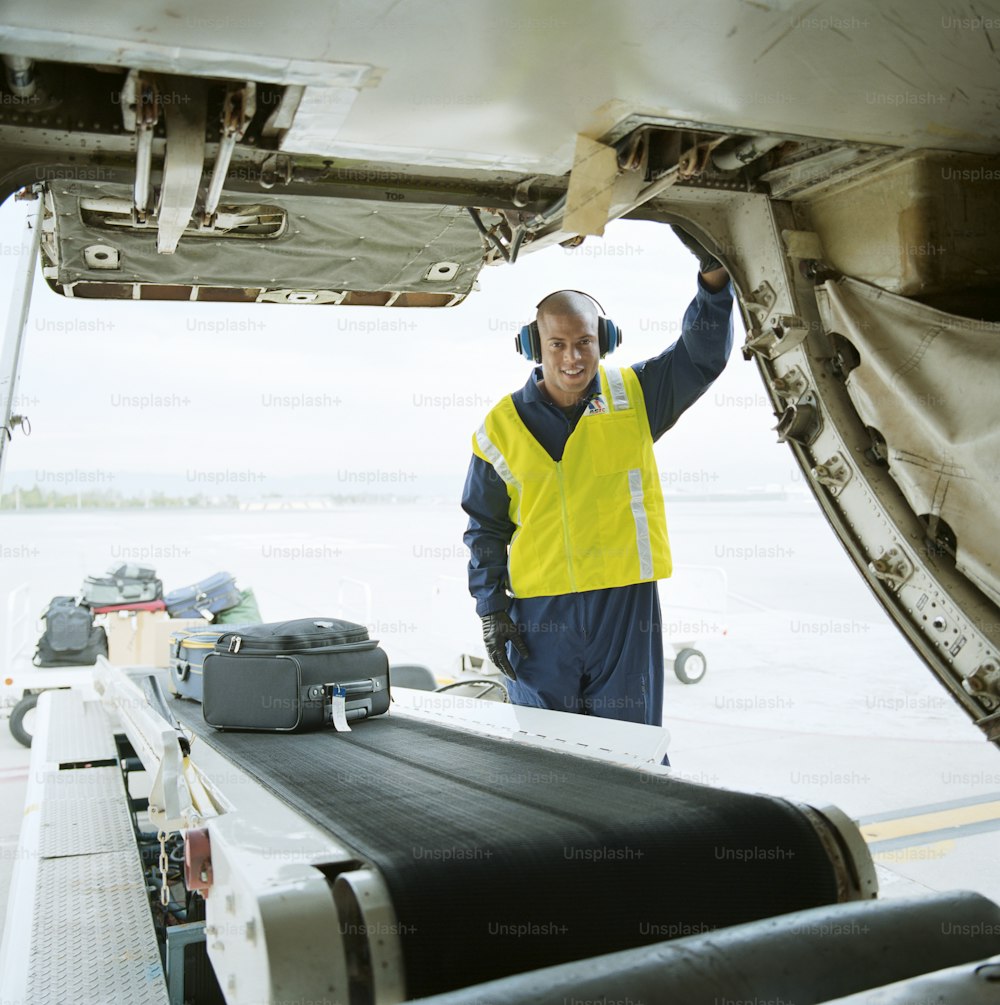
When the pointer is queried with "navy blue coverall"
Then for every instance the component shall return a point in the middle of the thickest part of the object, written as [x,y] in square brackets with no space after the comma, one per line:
[598,652]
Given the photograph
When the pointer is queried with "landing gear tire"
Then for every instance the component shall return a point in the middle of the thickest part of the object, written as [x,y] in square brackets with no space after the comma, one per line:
[17,717]
[690,666]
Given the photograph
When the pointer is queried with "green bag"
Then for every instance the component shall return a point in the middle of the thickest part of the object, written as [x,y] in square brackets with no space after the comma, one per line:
[246,612]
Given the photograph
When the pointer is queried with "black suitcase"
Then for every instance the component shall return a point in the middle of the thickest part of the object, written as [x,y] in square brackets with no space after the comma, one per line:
[290,676]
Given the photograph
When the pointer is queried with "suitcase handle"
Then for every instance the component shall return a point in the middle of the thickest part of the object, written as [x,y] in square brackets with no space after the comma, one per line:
[367,686]
[354,688]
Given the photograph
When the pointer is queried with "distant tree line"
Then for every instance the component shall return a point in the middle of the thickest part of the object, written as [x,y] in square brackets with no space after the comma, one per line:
[38,498]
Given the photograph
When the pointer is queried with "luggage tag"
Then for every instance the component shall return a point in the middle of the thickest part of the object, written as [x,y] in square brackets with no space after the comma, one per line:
[338,708]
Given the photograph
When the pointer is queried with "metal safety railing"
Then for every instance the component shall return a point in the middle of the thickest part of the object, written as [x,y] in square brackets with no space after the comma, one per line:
[17,625]
[17,636]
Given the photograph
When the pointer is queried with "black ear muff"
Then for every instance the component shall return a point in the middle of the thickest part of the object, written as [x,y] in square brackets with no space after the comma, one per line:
[529,343]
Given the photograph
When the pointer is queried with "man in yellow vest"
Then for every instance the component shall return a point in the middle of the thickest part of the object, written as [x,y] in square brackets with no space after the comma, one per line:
[567,532]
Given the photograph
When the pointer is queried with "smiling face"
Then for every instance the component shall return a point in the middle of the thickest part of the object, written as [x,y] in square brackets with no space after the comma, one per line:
[570,353]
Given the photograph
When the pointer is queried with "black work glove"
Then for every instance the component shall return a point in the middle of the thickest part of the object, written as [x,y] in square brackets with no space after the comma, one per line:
[707,262]
[498,630]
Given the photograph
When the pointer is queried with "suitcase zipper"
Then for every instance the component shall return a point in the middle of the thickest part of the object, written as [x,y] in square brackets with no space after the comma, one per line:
[267,647]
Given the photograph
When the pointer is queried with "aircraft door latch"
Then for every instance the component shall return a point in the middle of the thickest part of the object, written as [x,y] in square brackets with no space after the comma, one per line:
[891,567]
[834,473]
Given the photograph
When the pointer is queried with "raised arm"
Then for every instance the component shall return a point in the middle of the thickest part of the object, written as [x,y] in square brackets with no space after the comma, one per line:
[681,374]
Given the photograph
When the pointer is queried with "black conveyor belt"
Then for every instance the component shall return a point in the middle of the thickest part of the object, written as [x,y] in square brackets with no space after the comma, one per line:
[501,857]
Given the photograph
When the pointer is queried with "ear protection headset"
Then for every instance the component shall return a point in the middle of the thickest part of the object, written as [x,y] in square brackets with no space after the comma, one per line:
[529,342]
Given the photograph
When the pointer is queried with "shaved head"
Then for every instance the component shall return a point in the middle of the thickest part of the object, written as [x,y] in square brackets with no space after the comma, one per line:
[567,303]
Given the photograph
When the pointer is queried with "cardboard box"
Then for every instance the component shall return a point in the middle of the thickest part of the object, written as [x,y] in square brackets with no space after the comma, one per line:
[142,638]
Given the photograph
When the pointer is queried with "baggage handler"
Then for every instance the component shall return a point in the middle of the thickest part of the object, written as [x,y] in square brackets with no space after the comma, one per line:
[567,532]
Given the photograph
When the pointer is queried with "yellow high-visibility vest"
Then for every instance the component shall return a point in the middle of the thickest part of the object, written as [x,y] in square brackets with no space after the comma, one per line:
[594,519]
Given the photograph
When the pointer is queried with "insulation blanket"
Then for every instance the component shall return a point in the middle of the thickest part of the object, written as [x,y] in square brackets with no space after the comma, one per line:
[927,382]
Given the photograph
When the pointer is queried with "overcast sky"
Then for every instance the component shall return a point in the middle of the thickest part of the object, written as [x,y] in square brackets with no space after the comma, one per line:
[241,398]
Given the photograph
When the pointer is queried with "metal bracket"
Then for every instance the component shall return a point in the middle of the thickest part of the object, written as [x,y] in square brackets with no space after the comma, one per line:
[800,422]
[237,112]
[792,384]
[834,473]
[892,567]
[785,332]
[522,191]
[760,301]
[141,107]
[984,683]
[302,296]
[275,170]
[442,272]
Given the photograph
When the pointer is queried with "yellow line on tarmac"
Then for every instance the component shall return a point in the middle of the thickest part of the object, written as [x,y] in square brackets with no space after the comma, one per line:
[922,823]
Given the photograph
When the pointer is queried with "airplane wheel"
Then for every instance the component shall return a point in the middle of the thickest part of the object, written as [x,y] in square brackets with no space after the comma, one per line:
[17,717]
[690,666]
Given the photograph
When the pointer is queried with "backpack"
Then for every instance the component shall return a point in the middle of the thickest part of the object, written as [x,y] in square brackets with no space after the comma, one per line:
[70,638]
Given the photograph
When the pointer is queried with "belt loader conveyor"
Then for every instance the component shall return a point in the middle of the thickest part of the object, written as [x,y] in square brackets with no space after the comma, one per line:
[414,856]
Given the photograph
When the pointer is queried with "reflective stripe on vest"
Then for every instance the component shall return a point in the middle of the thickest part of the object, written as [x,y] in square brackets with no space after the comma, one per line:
[594,519]
[616,383]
